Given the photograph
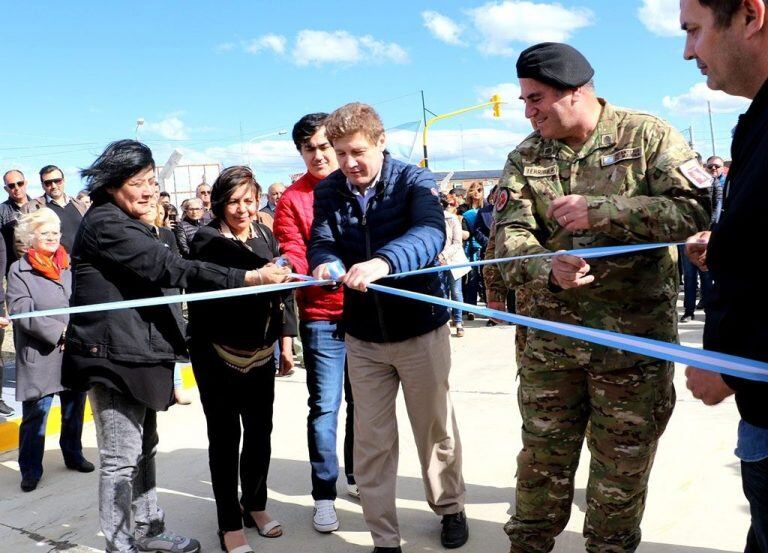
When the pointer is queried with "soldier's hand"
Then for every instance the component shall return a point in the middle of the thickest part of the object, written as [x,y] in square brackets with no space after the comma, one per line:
[571,212]
[707,386]
[570,271]
[696,249]
[497,306]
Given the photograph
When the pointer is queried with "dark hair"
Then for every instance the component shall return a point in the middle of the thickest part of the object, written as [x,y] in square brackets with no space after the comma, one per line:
[306,127]
[443,200]
[120,161]
[723,10]
[164,194]
[48,169]
[226,183]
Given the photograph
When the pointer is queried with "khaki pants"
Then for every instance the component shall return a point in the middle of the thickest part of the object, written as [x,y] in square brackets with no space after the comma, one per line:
[421,365]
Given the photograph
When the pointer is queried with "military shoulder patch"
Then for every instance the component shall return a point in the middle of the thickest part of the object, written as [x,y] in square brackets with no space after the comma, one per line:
[621,155]
[535,171]
[502,198]
[696,174]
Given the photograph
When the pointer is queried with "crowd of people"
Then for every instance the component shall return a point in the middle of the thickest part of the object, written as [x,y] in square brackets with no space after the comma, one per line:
[591,174]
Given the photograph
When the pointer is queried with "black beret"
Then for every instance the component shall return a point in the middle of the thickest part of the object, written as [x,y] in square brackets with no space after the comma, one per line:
[555,64]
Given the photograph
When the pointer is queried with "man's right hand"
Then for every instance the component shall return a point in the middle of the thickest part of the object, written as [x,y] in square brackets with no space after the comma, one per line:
[570,271]
[696,249]
[321,272]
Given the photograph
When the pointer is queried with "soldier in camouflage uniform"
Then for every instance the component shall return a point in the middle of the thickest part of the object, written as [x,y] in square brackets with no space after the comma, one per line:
[591,175]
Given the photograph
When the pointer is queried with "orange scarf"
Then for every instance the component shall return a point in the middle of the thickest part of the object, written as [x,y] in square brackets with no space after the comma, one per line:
[50,266]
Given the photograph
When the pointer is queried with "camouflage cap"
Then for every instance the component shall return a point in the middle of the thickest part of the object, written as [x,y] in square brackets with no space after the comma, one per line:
[555,64]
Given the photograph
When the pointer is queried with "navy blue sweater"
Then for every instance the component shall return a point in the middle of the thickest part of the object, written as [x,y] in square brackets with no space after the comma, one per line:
[403,225]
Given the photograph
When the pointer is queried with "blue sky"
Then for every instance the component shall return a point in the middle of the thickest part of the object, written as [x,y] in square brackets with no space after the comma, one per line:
[219,81]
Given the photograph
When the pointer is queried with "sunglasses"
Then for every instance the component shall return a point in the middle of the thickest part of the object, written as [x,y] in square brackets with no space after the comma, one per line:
[49,182]
[12,185]
[714,166]
[204,193]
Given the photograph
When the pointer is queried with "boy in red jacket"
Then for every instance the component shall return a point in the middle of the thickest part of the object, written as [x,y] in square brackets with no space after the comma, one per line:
[321,334]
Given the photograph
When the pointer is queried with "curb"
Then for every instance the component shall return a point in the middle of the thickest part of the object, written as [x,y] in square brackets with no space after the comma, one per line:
[9,429]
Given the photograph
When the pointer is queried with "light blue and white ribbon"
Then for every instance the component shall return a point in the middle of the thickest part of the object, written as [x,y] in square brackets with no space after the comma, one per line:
[708,360]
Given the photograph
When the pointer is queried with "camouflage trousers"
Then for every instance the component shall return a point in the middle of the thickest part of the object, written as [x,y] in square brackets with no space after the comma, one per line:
[622,413]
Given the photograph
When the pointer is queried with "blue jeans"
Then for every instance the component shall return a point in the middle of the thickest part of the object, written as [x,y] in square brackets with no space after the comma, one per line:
[32,432]
[325,358]
[456,294]
[691,275]
[126,432]
[754,479]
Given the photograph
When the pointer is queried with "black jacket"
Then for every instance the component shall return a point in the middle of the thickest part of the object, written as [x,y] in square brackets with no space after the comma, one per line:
[118,258]
[246,322]
[403,225]
[736,312]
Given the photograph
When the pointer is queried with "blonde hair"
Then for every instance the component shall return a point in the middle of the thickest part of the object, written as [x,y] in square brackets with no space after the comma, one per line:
[352,118]
[29,223]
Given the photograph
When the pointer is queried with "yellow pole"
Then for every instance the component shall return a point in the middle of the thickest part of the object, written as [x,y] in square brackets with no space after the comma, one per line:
[437,118]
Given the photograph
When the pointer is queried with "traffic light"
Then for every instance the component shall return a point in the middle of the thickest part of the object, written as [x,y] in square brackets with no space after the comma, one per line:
[496,105]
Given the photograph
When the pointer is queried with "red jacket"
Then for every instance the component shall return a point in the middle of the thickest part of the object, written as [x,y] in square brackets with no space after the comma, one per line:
[292,226]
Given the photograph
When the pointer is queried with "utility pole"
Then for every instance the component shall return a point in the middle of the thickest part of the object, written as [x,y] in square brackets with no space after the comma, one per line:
[690,137]
[711,128]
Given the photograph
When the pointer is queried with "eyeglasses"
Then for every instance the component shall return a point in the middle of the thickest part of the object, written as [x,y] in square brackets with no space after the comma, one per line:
[194,209]
[204,193]
[49,182]
[49,234]
[12,185]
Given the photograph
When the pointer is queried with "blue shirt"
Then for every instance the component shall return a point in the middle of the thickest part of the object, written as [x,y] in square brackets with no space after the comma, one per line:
[752,445]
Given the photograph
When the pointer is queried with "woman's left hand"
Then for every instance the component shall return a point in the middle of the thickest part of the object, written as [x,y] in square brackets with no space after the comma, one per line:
[286,356]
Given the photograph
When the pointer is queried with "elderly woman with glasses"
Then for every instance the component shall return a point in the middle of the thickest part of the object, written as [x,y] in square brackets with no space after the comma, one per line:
[41,280]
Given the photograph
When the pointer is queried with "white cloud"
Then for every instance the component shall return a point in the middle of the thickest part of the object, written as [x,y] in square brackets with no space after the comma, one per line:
[695,101]
[661,17]
[276,43]
[479,148]
[172,127]
[442,27]
[501,23]
[321,47]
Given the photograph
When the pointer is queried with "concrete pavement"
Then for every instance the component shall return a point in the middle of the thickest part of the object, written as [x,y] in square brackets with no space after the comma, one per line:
[695,504]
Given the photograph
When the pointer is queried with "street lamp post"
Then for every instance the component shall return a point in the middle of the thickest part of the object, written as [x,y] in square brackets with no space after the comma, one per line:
[139,123]
[281,132]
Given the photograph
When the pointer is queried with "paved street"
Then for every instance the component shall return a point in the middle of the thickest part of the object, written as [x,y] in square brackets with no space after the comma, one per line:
[695,503]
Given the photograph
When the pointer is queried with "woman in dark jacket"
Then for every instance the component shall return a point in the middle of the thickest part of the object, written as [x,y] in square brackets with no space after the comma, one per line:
[41,280]
[234,361]
[126,356]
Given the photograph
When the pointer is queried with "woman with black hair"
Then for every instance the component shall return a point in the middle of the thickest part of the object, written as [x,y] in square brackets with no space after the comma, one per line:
[125,356]
[233,357]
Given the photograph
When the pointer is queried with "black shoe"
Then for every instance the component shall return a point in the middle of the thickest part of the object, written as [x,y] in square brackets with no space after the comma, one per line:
[6,410]
[470,316]
[491,323]
[701,305]
[687,317]
[82,466]
[28,484]
[455,530]
[397,549]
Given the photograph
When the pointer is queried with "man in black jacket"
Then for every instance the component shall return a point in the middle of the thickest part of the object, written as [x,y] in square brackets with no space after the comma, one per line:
[721,35]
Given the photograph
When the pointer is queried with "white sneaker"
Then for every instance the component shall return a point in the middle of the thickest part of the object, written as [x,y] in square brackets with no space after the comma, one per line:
[324,518]
[353,491]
